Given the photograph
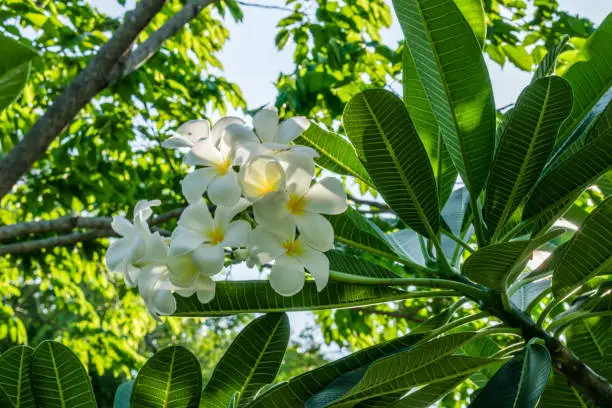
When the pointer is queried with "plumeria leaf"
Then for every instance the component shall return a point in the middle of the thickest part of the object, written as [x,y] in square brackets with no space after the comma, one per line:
[252,361]
[15,381]
[381,130]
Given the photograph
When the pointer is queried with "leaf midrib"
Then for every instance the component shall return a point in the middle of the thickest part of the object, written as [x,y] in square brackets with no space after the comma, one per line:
[397,165]
[169,382]
[20,373]
[521,172]
[57,378]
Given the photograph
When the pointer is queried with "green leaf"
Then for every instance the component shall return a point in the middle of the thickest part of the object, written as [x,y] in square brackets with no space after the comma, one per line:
[426,124]
[524,148]
[59,379]
[336,389]
[385,374]
[588,253]
[15,63]
[428,395]
[564,183]
[519,56]
[281,38]
[252,361]
[519,383]
[123,395]
[558,394]
[171,378]
[496,266]
[259,297]
[529,292]
[546,67]
[473,12]
[590,77]
[386,141]
[591,340]
[353,229]
[352,265]
[448,60]
[405,378]
[15,382]
[299,389]
[336,154]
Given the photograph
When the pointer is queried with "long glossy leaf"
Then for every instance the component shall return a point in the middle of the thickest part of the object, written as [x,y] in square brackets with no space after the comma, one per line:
[299,389]
[446,368]
[563,185]
[336,154]
[591,340]
[519,383]
[14,69]
[252,361]
[351,265]
[383,374]
[591,76]
[15,381]
[123,395]
[449,63]
[426,124]
[525,146]
[234,297]
[171,378]
[429,394]
[548,63]
[498,265]
[380,128]
[59,380]
[529,292]
[353,229]
[336,389]
[474,14]
[558,394]
[589,252]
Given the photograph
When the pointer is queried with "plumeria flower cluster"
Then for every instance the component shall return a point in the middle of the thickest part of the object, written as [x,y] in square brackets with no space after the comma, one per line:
[266,210]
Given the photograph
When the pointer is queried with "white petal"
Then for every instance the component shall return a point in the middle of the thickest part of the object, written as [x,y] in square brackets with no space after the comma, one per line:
[206,153]
[197,217]
[299,176]
[315,230]
[142,210]
[122,226]
[131,275]
[265,123]
[195,130]
[183,271]
[196,182]
[224,215]
[239,135]
[317,264]
[175,142]
[271,209]
[185,292]
[225,190]
[208,259]
[205,289]
[262,240]
[185,240]
[287,276]
[236,234]
[164,302]
[291,128]
[220,128]
[326,197]
[260,176]
[156,250]
[118,255]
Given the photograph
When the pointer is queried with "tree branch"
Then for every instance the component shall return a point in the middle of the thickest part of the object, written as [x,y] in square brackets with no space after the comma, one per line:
[371,203]
[112,62]
[101,226]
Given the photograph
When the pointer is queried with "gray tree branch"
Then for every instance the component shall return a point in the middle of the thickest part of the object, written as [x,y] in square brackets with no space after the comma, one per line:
[112,62]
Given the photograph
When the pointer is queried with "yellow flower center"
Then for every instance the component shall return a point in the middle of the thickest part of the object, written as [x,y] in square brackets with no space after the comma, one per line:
[267,186]
[292,247]
[215,236]
[224,166]
[296,204]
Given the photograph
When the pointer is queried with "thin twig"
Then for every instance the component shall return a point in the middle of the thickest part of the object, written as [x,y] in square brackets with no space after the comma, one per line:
[268,6]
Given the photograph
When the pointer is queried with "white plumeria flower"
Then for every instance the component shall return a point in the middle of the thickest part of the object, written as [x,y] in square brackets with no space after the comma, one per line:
[217,175]
[189,133]
[302,205]
[260,176]
[271,138]
[291,257]
[205,237]
[125,252]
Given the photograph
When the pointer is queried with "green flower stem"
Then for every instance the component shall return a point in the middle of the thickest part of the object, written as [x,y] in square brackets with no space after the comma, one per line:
[462,288]
[458,241]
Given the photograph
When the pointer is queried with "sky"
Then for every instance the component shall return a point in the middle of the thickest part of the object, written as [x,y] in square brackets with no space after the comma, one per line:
[251,60]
